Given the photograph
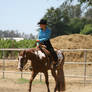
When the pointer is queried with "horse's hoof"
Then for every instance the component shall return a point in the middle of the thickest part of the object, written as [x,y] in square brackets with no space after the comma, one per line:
[30,68]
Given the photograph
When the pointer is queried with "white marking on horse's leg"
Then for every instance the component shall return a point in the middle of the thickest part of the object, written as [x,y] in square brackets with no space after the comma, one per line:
[19,62]
[59,54]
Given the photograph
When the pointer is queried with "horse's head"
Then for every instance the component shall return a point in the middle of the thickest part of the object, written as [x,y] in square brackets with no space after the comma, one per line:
[22,60]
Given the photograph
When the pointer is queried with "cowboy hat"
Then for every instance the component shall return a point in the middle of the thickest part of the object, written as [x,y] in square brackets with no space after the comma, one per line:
[42,21]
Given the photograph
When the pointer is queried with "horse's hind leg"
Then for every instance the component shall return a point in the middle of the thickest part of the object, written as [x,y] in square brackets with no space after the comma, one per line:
[55,78]
[46,80]
[32,78]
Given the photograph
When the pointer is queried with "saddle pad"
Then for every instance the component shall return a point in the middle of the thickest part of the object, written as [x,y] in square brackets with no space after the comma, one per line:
[59,54]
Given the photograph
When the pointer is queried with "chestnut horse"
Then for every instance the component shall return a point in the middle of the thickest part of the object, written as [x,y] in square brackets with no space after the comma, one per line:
[42,62]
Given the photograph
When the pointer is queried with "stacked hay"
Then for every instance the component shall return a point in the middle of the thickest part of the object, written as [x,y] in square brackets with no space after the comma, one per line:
[74,41]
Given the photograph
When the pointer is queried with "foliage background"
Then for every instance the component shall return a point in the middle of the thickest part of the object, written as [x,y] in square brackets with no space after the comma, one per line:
[15,44]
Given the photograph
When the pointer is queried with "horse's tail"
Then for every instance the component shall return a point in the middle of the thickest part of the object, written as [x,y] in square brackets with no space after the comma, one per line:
[60,80]
[60,86]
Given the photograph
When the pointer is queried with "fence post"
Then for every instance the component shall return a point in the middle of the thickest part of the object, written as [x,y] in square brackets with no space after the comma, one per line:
[40,77]
[3,66]
[21,75]
[85,62]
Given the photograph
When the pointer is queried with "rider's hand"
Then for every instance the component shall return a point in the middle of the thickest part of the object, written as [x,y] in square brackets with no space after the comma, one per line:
[37,40]
[37,43]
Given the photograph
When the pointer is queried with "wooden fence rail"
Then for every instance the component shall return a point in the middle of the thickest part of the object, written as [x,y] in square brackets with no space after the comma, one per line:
[85,63]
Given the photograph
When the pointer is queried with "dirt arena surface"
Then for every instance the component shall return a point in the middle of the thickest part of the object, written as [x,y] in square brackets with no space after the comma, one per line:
[9,85]
[11,82]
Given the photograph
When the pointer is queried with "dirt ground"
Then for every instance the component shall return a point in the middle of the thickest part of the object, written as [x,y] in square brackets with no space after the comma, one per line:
[9,85]
[11,82]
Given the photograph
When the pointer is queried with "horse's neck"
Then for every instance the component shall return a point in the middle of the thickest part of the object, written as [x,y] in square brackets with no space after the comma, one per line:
[30,54]
[34,53]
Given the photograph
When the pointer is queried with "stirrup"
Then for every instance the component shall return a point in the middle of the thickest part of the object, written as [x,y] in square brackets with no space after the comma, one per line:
[30,68]
[55,64]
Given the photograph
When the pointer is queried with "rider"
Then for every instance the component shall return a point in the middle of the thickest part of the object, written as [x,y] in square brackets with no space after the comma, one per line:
[44,38]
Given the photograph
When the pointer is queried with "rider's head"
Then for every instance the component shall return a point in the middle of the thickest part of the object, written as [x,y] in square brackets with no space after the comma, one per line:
[43,24]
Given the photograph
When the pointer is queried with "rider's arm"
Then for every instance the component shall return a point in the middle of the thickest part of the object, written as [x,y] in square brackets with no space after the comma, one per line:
[46,36]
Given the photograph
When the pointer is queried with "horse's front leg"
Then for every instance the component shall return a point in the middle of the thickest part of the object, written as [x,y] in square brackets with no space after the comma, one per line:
[46,80]
[32,78]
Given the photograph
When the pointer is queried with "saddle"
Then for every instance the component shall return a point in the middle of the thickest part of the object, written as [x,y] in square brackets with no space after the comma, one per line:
[45,51]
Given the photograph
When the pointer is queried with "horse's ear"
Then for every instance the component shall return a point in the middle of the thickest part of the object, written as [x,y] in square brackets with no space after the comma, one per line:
[24,53]
[19,53]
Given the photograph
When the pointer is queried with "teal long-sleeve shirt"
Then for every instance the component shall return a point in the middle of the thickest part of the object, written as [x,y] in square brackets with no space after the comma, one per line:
[44,35]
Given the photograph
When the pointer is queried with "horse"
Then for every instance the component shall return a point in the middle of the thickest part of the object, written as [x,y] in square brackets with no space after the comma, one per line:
[42,62]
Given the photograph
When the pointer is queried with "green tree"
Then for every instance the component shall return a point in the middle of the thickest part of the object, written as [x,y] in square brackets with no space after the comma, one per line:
[14,44]
[57,21]
[54,18]
[88,14]
[72,11]
[88,2]
[66,19]
[87,29]
[76,25]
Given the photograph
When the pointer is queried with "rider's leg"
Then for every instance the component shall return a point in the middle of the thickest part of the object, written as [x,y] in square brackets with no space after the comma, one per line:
[51,49]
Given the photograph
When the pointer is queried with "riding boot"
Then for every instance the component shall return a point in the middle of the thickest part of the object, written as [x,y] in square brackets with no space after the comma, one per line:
[55,63]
